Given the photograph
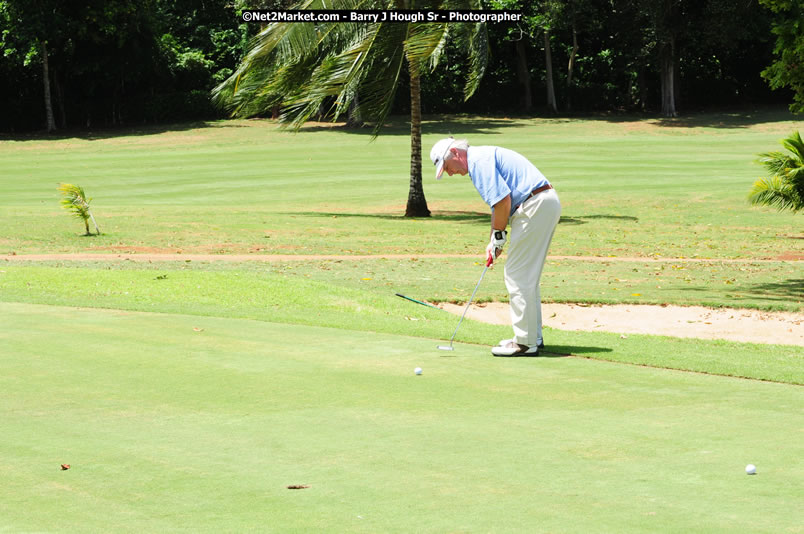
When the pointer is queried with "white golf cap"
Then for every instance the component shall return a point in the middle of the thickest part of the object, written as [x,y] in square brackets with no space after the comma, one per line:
[439,152]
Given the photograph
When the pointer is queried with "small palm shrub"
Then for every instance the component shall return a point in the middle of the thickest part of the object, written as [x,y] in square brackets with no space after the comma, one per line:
[783,188]
[75,200]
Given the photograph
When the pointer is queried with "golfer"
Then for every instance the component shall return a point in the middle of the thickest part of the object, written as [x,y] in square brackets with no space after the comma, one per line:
[520,195]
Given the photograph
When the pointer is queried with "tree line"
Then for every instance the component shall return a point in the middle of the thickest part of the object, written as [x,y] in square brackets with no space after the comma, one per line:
[109,63]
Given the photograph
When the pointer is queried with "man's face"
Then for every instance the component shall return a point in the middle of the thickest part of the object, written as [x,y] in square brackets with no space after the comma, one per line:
[457,163]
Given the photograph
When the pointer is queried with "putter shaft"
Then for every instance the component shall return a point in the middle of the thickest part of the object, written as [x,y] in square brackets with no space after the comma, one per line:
[466,309]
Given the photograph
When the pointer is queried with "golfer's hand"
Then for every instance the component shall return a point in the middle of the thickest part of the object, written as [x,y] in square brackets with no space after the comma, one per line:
[495,246]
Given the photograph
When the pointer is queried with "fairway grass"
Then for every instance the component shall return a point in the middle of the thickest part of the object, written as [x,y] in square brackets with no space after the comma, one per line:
[628,187]
[187,423]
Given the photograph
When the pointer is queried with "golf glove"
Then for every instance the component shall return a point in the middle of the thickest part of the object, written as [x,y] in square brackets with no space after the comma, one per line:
[494,249]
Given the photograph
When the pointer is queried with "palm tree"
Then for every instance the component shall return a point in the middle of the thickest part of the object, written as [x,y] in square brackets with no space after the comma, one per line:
[307,68]
[784,187]
[75,200]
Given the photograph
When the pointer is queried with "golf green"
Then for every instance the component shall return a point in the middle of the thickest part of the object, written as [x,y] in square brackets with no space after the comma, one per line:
[176,422]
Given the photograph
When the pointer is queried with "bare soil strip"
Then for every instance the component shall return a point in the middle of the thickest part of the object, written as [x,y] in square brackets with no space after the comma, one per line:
[780,328]
[154,257]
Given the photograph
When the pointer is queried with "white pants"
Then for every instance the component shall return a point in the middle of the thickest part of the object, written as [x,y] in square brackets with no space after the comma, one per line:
[532,227]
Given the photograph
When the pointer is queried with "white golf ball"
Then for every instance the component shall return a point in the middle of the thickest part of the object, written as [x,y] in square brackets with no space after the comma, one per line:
[750,469]
[418,370]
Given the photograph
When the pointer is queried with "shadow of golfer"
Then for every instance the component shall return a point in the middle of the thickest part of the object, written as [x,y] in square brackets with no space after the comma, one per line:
[562,351]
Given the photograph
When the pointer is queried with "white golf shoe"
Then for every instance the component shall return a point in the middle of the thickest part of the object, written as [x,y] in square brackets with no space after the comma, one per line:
[512,349]
[507,341]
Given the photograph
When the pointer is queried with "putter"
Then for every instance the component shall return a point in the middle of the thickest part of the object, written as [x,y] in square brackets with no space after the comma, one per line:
[449,347]
[418,301]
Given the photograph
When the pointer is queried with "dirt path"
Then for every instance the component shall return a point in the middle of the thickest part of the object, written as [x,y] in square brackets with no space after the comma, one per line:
[178,256]
[752,326]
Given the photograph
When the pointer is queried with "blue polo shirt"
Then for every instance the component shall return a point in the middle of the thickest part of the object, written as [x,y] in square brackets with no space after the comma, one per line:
[497,172]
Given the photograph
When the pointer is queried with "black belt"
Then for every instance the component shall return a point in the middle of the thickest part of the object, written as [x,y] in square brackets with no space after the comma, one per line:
[539,190]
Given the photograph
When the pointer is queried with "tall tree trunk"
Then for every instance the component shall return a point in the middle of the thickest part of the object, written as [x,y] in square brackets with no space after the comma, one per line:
[523,73]
[667,63]
[548,59]
[51,122]
[571,64]
[417,204]
[677,83]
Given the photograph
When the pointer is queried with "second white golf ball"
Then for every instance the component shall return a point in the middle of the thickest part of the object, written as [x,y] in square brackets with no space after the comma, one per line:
[750,469]
[418,370]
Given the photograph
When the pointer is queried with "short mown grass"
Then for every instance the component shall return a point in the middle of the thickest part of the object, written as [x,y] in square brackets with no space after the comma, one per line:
[174,422]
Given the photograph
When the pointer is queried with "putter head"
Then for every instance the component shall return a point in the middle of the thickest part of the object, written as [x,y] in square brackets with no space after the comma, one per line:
[445,347]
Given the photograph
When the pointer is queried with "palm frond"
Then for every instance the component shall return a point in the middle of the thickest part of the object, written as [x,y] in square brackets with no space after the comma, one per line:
[774,191]
[75,200]
[381,80]
[424,40]
[795,145]
[775,162]
[369,67]
[784,187]
[478,58]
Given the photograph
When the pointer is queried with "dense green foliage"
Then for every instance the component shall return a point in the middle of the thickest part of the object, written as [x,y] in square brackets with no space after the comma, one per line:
[788,68]
[114,63]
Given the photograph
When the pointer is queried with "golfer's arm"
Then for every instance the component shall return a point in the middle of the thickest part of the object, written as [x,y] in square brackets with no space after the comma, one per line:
[499,215]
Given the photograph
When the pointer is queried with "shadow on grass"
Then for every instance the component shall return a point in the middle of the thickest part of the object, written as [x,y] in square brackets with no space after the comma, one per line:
[792,289]
[741,119]
[454,216]
[562,351]
[786,293]
[722,119]
[443,127]
[122,131]
[582,219]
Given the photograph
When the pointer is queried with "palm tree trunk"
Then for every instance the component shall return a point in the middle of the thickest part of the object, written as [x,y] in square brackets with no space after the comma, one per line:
[548,58]
[51,121]
[417,204]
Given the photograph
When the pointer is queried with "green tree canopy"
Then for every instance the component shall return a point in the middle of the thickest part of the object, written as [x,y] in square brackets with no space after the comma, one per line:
[788,68]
